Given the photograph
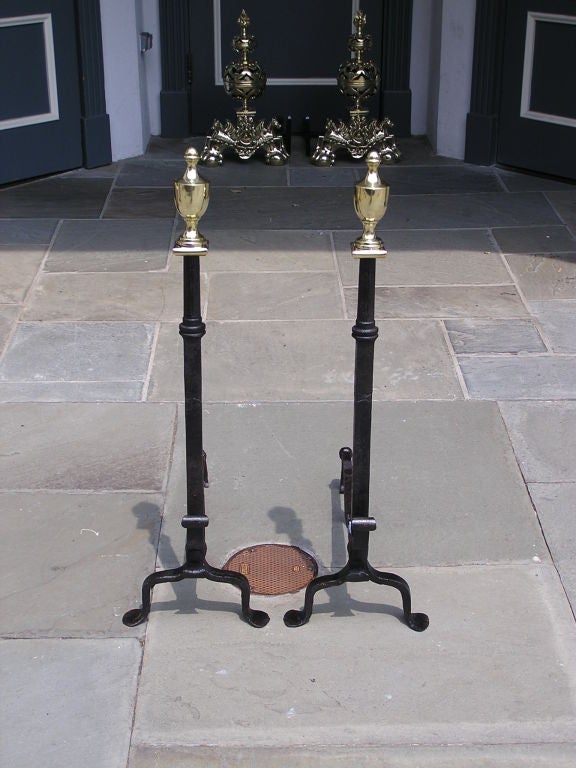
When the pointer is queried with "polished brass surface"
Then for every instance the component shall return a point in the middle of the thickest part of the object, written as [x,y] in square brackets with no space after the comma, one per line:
[244,80]
[370,204]
[191,196]
[358,79]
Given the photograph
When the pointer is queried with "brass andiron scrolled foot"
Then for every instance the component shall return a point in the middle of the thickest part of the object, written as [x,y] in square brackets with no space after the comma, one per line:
[245,138]
[357,79]
[244,80]
[370,202]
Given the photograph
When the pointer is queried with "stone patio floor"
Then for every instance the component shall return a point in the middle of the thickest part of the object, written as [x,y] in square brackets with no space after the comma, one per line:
[473,468]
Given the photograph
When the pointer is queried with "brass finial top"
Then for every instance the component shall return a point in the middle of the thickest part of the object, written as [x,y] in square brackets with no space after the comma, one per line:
[191,157]
[359,43]
[373,163]
[359,22]
[244,21]
[244,43]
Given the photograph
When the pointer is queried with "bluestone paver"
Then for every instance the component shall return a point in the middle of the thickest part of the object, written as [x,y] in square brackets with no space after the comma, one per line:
[558,322]
[266,251]
[545,275]
[27,231]
[8,316]
[407,756]
[445,485]
[110,246]
[55,198]
[266,296]
[61,355]
[564,203]
[555,504]
[139,203]
[110,296]
[443,301]
[508,626]
[428,257]
[18,267]
[502,377]
[297,360]
[528,240]
[72,562]
[68,702]
[86,446]
[544,438]
[494,336]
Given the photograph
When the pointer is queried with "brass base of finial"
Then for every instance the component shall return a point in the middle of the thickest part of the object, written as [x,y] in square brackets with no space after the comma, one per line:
[192,249]
[245,139]
[358,136]
[374,249]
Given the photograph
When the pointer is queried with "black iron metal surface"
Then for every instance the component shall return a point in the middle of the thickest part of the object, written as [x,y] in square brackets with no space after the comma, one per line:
[192,329]
[355,471]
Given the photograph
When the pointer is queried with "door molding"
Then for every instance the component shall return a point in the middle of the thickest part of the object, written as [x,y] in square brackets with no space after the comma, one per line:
[482,120]
[95,122]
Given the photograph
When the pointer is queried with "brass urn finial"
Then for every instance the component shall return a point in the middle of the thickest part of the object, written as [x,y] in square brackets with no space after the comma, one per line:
[370,203]
[191,196]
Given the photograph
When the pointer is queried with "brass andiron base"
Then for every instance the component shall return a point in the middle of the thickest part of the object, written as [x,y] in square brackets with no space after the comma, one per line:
[244,80]
[358,80]
[370,202]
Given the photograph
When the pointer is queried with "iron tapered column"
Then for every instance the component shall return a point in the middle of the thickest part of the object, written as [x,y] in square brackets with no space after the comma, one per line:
[192,329]
[365,334]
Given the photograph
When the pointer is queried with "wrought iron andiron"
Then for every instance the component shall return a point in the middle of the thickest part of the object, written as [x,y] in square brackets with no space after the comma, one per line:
[370,202]
[191,196]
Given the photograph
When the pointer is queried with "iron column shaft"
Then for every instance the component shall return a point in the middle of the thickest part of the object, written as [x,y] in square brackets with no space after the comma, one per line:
[365,333]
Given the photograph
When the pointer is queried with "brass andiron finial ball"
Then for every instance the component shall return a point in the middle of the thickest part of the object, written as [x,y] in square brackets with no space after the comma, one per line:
[191,196]
[370,204]
[358,79]
[244,80]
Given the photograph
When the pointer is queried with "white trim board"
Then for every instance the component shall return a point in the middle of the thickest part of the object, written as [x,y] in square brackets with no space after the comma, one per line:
[53,114]
[525,111]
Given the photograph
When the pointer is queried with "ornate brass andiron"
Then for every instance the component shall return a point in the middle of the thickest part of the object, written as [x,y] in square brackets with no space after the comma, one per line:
[357,79]
[244,80]
[370,201]
[191,194]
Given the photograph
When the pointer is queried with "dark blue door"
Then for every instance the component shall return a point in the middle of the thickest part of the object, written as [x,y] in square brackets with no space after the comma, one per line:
[40,129]
[538,104]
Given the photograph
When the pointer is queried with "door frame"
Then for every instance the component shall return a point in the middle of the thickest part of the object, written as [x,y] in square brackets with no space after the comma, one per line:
[176,43]
[95,122]
[482,120]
